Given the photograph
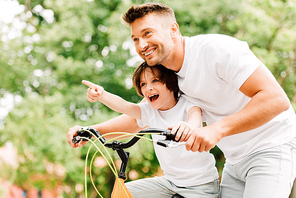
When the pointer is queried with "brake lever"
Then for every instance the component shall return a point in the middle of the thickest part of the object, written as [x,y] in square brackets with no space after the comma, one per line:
[169,143]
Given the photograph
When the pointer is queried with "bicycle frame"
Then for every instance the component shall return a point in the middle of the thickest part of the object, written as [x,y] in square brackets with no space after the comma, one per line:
[119,188]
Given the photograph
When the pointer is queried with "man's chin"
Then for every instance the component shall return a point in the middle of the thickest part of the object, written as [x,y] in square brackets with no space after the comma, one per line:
[152,62]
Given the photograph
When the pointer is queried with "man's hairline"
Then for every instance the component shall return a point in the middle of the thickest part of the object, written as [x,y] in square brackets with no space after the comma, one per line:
[130,26]
[168,16]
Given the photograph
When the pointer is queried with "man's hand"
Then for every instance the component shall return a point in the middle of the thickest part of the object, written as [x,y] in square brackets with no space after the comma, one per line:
[203,139]
[94,92]
[72,133]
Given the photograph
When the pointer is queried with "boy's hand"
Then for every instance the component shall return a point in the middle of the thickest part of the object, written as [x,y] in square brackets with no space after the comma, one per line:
[71,134]
[94,92]
[182,131]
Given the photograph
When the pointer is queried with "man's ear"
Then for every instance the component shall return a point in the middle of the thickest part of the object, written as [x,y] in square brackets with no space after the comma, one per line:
[174,29]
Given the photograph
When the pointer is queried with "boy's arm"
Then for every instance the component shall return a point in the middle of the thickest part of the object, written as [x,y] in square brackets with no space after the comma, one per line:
[184,129]
[114,102]
[122,123]
[120,105]
[194,117]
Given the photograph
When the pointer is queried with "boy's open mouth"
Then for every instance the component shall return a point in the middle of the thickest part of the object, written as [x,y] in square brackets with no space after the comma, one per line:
[154,97]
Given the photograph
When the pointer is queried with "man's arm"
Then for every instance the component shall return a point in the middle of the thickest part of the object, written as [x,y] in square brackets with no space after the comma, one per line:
[268,100]
[122,123]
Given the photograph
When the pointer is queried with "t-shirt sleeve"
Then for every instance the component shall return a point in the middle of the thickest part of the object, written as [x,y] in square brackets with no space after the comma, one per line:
[189,105]
[144,121]
[232,60]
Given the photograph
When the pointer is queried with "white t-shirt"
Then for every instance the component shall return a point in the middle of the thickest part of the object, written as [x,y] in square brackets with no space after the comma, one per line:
[214,68]
[182,167]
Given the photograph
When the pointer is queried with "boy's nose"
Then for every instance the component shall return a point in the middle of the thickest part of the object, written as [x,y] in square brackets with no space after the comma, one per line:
[150,87]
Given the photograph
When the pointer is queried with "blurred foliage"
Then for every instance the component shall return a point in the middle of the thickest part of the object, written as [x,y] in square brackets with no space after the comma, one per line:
[63,42]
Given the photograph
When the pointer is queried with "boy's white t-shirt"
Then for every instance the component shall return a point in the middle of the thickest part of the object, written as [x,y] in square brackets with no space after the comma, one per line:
[214,68]
[183,168]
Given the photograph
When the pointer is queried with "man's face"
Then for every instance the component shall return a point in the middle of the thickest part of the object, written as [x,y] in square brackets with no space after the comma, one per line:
[152,37]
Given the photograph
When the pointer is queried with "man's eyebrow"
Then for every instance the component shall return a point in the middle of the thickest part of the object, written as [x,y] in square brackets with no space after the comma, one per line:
[132,36]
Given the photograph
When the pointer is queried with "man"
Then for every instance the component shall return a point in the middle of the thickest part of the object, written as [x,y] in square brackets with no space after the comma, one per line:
[248,114]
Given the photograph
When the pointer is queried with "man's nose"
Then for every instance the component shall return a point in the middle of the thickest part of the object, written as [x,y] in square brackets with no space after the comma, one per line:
[143,45]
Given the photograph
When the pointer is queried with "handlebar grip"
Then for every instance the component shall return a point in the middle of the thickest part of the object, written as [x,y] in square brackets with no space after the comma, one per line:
[76,139]
[82,132]
[168,135]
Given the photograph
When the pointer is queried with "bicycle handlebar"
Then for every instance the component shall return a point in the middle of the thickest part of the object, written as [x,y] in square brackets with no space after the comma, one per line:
[85,132]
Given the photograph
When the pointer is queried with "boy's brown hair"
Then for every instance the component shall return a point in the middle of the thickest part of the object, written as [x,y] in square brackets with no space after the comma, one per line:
[142,10]
[167,77]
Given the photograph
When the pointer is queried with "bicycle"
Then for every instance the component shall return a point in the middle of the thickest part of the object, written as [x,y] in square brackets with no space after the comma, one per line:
[119,188]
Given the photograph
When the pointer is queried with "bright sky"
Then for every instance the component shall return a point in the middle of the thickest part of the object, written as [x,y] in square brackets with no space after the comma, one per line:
[8,9]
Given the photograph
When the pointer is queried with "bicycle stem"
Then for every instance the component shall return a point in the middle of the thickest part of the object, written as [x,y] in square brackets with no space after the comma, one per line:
[124,156]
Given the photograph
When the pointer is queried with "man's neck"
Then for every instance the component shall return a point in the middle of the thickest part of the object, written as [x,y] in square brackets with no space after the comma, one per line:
[175,62]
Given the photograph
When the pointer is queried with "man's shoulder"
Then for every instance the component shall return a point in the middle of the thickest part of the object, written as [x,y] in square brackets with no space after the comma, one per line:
[209,39]
[214,43]
[185,102]
[201,40]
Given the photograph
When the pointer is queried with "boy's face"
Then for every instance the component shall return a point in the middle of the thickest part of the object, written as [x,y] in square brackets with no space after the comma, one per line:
[155,92]
[152,37]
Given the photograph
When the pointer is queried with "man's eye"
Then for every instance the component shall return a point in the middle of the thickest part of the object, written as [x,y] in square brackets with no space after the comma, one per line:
[146,33]
[135,39]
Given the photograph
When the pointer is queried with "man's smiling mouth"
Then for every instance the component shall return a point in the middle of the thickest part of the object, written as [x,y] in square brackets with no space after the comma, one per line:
[150,52]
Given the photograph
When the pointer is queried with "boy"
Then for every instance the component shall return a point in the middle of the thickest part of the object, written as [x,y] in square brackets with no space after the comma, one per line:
[162,109]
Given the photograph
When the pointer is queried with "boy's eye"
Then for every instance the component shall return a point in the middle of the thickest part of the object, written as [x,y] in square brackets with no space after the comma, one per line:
[142,84]
[155,80]
[135,39]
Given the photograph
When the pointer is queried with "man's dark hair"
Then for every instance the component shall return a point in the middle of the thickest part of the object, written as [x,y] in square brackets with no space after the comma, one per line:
[142,10]
[167,77]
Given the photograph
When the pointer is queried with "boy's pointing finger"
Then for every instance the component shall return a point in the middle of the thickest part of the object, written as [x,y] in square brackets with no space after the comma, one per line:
[90,84]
